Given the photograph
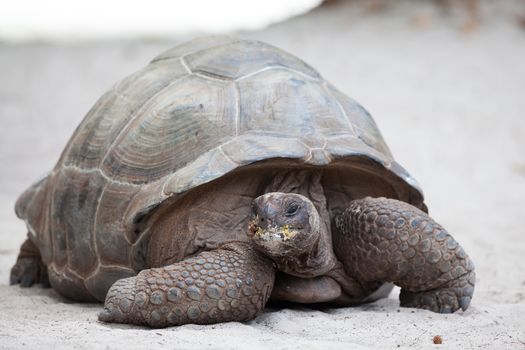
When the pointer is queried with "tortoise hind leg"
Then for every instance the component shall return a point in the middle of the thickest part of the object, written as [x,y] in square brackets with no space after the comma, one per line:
[29,268]
[231,283]
[387,240]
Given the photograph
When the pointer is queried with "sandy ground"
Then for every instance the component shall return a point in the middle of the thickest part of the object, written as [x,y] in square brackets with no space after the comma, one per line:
[449,102]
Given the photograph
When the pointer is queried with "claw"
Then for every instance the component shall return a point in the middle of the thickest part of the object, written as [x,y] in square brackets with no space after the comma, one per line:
[105,315]
[464,303]
[111,314]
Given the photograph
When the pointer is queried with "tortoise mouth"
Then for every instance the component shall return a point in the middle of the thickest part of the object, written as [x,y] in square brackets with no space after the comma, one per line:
[274,233]
[279,241]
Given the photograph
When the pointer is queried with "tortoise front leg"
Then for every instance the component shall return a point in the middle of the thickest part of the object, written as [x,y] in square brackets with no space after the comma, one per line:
[381,239]
[232,283]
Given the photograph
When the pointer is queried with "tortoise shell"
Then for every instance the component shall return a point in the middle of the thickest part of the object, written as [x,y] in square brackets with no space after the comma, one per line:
[196,113]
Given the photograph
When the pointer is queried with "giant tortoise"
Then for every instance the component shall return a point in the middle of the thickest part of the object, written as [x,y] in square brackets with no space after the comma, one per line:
[222,175]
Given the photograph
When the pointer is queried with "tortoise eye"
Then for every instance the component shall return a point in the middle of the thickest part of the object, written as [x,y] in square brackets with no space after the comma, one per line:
[292,210]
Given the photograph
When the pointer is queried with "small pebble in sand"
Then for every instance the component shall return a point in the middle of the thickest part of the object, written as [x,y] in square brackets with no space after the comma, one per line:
[437,339]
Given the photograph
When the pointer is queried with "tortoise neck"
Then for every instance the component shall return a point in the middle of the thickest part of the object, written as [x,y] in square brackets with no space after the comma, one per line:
[315,262]
[320,259]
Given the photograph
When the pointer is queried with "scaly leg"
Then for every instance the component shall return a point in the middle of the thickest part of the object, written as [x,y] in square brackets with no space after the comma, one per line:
[232,283]
[381,239]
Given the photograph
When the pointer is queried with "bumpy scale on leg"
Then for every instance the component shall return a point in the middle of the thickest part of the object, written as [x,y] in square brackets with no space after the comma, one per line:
[232,283]
[29,268]
[381,239]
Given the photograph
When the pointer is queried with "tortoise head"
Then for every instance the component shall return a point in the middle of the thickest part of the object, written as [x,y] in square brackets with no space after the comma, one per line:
[286,227]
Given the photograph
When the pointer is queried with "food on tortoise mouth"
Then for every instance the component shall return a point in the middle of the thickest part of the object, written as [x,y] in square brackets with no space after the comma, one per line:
[276,233]
[253,228]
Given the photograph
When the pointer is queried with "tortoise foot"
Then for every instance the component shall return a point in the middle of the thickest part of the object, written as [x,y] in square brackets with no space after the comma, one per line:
[446,299]
[29,268]
[29,271]
[232,283]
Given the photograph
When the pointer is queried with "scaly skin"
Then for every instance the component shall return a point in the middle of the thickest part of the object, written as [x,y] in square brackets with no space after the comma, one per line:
[232,283]
[381,239]
[29,268]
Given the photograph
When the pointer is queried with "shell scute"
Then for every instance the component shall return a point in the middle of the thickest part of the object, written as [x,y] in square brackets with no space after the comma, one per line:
[280,103]
[173,130]
[111,235]
[73,214]
[114,110]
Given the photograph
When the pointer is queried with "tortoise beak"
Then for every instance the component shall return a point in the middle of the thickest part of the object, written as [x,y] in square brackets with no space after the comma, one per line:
[263,213]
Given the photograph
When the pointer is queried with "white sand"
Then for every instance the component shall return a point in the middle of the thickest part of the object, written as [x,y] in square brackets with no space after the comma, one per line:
[450,104]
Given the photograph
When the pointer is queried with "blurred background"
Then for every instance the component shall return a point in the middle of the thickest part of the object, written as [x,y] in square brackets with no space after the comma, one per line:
[444,80]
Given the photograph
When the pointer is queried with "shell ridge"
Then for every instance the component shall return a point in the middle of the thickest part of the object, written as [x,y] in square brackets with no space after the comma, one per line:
[277,67]
[185,65]
[237,94]
[49,215]
[99,266]
[341,109]
[207,75]
[94,232]
[128,213]
[65,267]
[74,272]
[99,171]
[227,156]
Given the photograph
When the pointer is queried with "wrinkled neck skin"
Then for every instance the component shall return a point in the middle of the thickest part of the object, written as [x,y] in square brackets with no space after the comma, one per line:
[321,258]
[316,262]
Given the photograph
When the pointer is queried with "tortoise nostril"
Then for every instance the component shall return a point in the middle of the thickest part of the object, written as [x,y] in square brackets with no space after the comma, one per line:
[265,222]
